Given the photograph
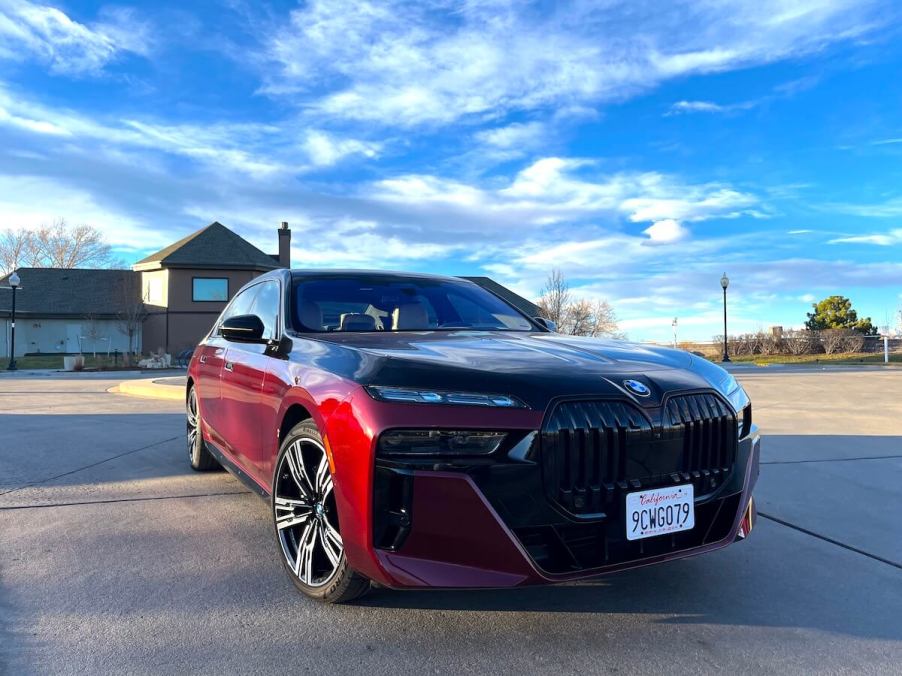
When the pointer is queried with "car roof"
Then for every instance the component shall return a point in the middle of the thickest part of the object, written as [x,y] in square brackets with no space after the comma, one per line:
[300,274]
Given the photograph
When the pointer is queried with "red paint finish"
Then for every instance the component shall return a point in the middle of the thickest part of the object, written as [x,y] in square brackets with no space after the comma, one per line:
[456,539]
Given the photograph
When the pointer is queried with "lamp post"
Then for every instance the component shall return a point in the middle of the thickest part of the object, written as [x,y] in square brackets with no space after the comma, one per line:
[14,282]
[674,325]
[724,283]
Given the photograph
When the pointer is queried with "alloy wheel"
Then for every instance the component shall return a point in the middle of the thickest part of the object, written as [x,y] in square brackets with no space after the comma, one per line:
[193,427]
[305,514]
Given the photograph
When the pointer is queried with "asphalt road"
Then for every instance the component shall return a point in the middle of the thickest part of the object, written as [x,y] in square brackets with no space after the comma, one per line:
[114,557]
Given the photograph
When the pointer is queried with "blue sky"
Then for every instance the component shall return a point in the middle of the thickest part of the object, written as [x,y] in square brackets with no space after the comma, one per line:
[643,148]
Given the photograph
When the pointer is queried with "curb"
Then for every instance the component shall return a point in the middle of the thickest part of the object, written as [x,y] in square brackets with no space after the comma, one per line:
[149,388]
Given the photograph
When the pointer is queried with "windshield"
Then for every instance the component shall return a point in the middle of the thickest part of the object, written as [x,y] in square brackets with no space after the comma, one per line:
[384,303]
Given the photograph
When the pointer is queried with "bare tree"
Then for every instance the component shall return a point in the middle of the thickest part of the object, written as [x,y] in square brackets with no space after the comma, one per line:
[93,332]
[17,250]
[831,340]
[132,312]
[587,318]
[576,317]
[55,246]
[63,246]
[555,297]
[852,341]
[798,342]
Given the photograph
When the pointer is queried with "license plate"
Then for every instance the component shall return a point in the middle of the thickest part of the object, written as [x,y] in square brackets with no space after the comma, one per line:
[659,511]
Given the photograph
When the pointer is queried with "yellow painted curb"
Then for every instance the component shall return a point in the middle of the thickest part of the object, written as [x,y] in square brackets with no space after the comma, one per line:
[149,389]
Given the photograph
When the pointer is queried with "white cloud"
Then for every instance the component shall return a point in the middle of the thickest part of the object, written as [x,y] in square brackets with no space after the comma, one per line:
[254,149]
[66,46]
[325,149]
[666,232]
[402,64]
[26,202]
[515,136]
[557,190]
[890,238]
[709,107]
[891,208]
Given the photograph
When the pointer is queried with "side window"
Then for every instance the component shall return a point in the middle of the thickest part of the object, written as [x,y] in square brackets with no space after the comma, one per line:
[241,305]
[266,307]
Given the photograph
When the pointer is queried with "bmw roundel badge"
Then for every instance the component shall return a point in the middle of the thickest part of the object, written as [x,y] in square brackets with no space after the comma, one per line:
[637,388]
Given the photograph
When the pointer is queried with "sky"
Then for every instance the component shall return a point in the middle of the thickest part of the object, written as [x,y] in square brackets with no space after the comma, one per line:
[643,148]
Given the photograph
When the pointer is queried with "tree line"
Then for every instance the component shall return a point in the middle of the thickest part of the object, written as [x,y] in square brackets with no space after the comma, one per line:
[58,245]
[833,327]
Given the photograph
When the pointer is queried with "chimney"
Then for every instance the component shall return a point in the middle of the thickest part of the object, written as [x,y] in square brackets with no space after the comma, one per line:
[285,245]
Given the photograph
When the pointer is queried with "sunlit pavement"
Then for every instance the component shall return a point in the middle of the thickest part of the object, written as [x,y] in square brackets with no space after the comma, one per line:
[114,557]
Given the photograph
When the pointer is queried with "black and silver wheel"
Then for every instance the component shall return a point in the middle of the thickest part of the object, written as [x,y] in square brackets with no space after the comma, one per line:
[306,520]
[200,458]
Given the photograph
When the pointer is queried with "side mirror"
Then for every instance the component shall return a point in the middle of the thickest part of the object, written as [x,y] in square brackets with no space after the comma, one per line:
[243,329]
[547,323]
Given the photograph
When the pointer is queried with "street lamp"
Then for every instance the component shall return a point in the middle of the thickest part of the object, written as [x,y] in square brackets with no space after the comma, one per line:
[14,282]
[725,282]
[674,325]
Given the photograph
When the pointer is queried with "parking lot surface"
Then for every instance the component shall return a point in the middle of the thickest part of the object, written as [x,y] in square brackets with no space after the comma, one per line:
[115,557]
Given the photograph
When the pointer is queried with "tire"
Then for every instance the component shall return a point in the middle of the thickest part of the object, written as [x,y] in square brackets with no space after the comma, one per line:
[305,520]
[199,457]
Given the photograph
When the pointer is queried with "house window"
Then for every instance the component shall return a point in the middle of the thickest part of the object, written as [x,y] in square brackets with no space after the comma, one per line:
[214,289]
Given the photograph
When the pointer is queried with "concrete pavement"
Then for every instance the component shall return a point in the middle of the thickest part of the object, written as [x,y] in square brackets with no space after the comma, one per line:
[115,557]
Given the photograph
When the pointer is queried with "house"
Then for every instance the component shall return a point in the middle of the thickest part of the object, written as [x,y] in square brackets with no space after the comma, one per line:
[60,311]
[186,285]
[166,302]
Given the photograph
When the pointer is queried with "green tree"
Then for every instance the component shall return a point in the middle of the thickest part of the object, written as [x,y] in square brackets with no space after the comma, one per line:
[836,312]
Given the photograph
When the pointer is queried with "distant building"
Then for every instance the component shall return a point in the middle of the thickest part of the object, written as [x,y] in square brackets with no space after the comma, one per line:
[62,311]
[187,284]
[176,292]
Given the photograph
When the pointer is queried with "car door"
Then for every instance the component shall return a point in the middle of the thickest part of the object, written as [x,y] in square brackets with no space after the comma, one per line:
[210,358]
[213,358]
[242,381]
[267,306]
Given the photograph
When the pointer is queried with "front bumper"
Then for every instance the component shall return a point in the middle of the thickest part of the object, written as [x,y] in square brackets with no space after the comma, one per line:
[463,529]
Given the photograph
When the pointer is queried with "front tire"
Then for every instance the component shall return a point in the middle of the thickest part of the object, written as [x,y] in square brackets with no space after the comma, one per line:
[199,457]
[306,520]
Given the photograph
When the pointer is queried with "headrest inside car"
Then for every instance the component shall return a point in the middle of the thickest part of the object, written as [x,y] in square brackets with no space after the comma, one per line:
[311,315]
[351,321]
[410,317]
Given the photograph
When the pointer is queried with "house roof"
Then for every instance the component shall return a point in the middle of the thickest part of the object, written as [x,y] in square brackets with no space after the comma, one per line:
[503,292]
[77,292]
[214,246]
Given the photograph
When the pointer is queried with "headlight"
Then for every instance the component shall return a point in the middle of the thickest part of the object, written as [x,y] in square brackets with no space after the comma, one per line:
[741,403]
[439,442]
[737,397]
[418,396]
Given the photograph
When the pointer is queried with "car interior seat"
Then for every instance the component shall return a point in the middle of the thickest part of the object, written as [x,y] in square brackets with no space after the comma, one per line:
[353,321]
[410,317]
[311,315]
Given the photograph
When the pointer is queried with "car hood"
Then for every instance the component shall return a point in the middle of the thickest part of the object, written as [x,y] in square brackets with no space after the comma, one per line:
[532,366]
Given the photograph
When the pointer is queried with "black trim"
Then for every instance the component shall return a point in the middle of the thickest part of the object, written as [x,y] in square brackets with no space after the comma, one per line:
[235,470]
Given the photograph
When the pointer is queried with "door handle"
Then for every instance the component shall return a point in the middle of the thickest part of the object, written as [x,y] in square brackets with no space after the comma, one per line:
[229,366]
[203,359]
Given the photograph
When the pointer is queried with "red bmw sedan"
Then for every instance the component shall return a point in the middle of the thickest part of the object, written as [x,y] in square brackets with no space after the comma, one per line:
[418,431]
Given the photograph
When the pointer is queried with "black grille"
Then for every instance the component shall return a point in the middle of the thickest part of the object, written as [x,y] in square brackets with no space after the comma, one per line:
[709,433]
[584,452]
[595,451]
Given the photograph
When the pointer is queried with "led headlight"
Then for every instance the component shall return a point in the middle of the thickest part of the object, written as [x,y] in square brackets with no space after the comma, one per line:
[439,442]
[422,396]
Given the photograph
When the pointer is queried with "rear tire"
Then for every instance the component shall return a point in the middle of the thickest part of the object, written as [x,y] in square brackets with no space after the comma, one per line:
[306,520]
[199,457]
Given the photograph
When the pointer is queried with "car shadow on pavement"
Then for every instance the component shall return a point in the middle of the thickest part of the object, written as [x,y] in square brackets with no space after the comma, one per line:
[777,578]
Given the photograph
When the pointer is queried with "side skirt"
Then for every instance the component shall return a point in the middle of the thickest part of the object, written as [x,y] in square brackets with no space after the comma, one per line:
[236,471]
